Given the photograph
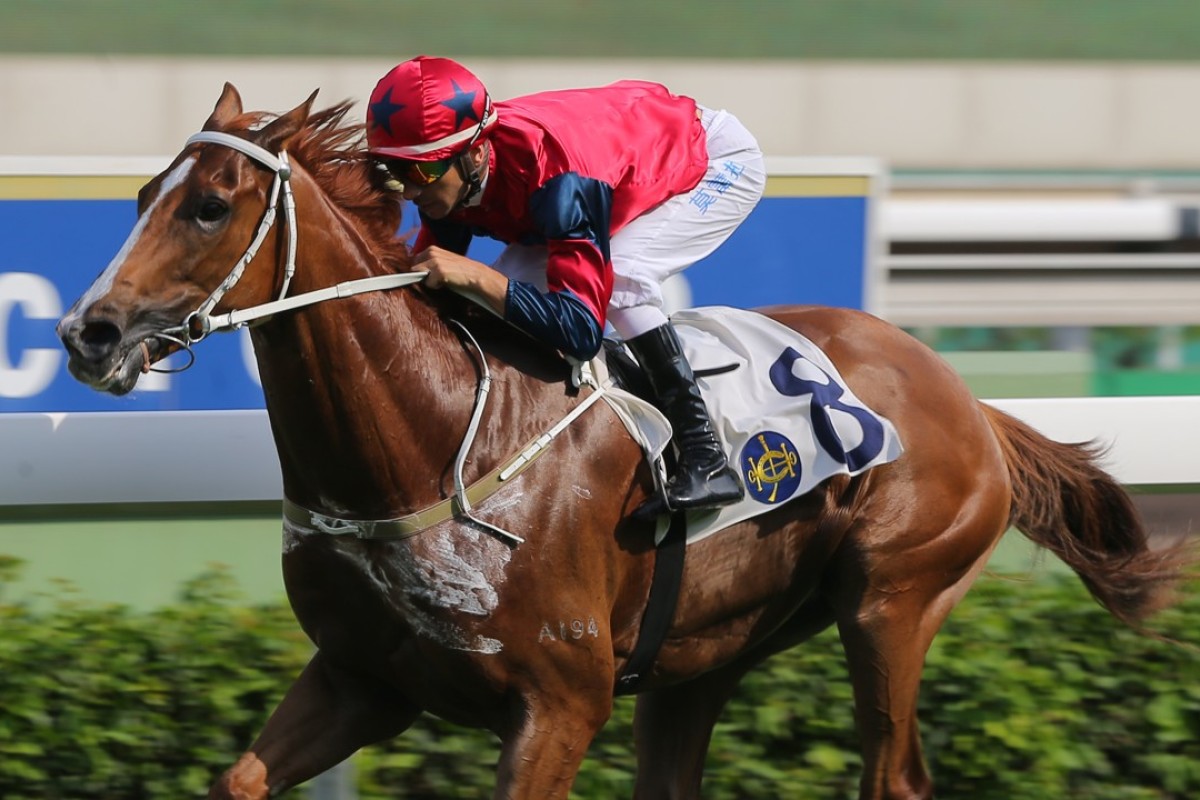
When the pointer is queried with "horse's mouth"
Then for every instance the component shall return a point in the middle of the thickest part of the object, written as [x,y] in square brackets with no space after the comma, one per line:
[123,369]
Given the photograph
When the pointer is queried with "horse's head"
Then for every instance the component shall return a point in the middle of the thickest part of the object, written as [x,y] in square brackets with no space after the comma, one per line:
[196,224]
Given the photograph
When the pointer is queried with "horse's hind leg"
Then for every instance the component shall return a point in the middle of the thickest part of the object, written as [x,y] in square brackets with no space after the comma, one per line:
[885,652]
[324,718]
[673,725]
[886,631]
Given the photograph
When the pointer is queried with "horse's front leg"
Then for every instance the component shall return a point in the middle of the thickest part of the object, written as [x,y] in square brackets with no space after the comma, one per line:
[325,717]
[541,754]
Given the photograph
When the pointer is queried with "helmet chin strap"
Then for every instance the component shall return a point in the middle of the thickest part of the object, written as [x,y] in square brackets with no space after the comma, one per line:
[472,175]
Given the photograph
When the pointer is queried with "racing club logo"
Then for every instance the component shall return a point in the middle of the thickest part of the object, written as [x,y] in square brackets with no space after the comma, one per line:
[771,466]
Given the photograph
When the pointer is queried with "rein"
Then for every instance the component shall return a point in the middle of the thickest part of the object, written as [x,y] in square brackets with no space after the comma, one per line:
[239,319]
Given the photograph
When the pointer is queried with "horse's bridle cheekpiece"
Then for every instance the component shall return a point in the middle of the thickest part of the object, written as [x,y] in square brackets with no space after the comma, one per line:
[202,321]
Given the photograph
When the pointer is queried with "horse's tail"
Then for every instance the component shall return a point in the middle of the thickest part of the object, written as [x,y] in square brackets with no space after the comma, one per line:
[1063,501]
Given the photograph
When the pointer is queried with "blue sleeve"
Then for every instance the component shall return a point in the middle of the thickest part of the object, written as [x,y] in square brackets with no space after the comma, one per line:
[558,318]
[571,206]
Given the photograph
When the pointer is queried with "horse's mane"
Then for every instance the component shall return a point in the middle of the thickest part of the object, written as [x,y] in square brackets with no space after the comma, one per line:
[332,151]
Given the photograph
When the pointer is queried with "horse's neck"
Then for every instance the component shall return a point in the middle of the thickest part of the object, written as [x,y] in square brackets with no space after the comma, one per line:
[362,391]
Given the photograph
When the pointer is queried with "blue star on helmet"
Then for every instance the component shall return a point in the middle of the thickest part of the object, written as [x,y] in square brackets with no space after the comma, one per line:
[383,109]
[462,104]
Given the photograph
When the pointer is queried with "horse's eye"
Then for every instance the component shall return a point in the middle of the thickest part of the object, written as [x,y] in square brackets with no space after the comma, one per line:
[211,209]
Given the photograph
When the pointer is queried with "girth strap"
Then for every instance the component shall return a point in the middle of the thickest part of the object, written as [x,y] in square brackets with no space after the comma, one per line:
[660,607]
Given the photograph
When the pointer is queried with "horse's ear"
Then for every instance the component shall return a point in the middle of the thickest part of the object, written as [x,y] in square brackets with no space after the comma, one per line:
[276,135]
[227,109]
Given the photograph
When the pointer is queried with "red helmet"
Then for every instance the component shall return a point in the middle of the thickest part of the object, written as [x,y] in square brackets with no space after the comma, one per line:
[427,109]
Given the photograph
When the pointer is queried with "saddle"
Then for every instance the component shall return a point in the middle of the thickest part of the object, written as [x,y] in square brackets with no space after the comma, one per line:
[783,413]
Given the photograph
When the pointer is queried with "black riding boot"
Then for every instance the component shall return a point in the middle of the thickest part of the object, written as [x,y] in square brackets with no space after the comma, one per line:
[703,478]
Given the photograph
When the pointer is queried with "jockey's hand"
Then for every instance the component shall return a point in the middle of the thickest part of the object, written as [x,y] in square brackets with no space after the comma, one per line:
[476,280]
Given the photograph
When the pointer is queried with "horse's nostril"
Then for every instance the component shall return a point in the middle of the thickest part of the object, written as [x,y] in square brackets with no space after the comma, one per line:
[100,334]
[94,339]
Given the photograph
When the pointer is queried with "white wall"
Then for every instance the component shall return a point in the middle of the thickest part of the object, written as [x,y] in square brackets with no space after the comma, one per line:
[913,115]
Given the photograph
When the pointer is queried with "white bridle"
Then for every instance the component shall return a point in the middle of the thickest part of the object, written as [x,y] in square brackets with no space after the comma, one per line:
[202,322]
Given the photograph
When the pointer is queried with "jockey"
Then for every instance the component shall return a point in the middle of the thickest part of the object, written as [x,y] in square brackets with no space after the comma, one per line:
[600,195]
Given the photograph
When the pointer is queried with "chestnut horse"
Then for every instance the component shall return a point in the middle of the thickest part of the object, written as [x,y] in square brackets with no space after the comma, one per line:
[369,396]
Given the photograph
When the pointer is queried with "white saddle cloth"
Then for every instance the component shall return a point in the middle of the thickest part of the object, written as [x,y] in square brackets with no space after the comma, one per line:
[779,406]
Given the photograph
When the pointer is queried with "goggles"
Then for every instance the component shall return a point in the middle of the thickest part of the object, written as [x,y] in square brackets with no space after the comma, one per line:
[418,173]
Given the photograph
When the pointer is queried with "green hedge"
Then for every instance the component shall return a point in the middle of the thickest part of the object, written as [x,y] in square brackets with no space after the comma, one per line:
[1031,692]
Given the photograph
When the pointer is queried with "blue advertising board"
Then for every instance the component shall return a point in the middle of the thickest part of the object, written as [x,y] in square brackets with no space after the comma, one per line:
[809,241]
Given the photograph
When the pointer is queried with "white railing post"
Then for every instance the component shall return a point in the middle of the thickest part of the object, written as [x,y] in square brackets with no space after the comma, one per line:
[335,784]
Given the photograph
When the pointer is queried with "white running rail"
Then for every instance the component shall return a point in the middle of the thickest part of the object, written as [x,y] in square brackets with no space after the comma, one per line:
[201,456]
